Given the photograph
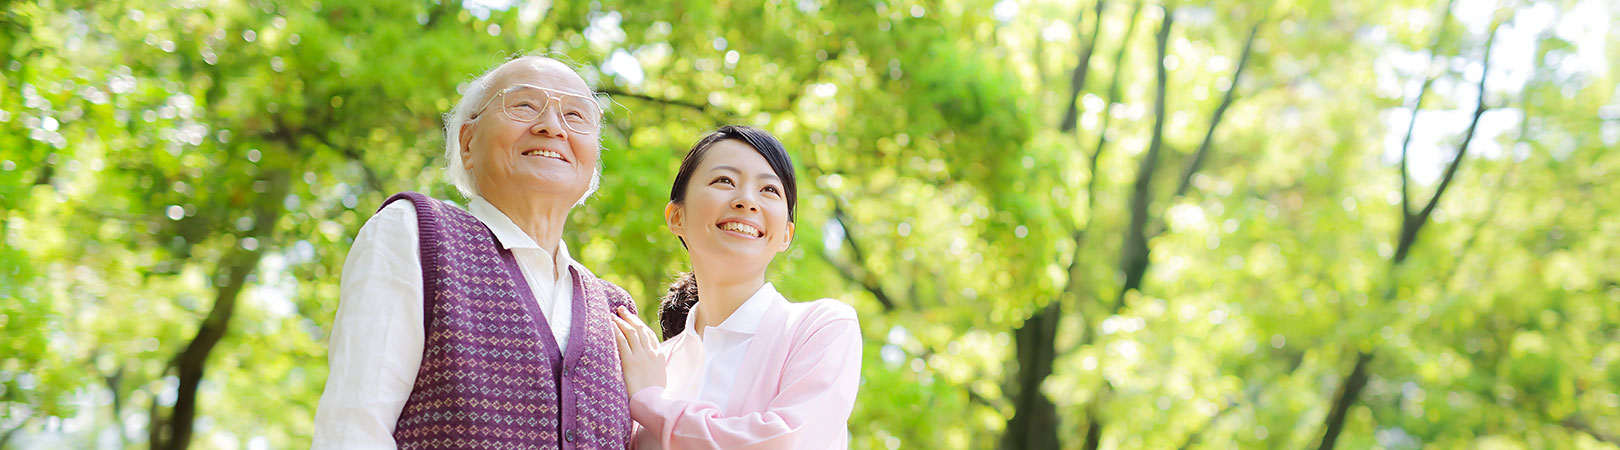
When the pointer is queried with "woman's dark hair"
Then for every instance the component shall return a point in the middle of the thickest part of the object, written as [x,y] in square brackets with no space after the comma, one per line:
[672,310]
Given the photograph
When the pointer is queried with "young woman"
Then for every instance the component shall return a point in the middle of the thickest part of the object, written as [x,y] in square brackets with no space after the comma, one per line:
[740,366]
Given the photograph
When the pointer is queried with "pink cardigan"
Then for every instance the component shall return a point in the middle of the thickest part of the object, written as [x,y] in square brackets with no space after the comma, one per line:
[796,388]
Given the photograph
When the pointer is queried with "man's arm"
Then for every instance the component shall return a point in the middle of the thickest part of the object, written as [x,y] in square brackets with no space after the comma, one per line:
[377,336]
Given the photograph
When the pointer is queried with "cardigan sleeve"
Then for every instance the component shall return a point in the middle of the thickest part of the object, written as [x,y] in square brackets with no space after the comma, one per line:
[617,297]
[810,410]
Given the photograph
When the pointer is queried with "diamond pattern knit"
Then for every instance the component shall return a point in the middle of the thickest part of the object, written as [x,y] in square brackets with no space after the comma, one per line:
[492,375]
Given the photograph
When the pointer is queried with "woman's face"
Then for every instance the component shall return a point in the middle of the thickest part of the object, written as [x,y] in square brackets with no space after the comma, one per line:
[735,214]
[540,157]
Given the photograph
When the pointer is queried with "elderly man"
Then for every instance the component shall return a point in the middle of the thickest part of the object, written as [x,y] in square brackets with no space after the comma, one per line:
[474,328]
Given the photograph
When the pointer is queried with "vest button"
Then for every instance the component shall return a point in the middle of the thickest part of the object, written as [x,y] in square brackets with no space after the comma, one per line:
[568,435]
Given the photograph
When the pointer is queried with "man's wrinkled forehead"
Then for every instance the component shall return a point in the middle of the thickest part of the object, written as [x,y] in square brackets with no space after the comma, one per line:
[543,72]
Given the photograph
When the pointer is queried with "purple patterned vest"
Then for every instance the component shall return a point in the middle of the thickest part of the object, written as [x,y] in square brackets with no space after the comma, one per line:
[492,375]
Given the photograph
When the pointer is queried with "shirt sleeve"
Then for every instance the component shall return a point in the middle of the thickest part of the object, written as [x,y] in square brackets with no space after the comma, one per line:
[377,336]
[810,411]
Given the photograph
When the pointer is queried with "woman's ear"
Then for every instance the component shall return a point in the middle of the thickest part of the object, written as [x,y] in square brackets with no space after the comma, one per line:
[674,217]
[465,136]
[787,238]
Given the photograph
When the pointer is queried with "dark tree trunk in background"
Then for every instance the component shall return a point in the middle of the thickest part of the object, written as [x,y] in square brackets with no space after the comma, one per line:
[1034,424]
[174,431]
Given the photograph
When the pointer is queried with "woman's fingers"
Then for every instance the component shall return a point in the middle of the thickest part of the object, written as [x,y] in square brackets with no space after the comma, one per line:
[648,336]
[634,335]
[635,330]
[628,330]
[635,319]
[624,326]
[623,342]
[642,329]
[639,354]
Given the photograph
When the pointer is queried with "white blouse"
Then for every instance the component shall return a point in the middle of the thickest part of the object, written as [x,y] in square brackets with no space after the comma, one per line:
[377,336]
[774,375]
[706,372]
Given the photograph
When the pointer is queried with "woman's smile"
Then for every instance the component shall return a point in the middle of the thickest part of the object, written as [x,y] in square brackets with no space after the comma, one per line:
[741,228]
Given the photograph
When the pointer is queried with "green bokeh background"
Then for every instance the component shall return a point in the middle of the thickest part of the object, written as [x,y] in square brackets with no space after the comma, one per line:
[1109,224]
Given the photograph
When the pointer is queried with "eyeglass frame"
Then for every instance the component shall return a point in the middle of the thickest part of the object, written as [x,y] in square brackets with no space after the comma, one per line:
[552,95]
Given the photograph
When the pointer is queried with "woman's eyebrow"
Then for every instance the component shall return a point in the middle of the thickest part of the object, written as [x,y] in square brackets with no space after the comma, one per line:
[726,168]
[763,176]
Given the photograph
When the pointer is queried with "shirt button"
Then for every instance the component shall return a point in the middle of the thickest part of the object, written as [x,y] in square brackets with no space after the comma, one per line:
[568,435]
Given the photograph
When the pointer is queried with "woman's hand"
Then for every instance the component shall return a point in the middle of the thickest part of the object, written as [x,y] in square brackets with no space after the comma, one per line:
[643,362]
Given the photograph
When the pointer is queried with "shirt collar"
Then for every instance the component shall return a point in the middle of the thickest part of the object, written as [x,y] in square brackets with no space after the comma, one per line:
[507,232]
[745,320]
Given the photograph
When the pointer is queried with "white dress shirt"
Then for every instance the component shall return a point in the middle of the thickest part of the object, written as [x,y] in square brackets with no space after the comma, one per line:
[377,336]
[707,372]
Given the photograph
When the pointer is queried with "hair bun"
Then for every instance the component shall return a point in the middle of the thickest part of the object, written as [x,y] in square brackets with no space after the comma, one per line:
[677,303]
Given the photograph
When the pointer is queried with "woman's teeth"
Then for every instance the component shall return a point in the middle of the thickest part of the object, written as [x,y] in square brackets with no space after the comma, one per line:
[740,228]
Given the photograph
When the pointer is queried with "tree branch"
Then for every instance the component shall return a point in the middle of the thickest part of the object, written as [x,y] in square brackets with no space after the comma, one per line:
[851,275]
[9,433]
[712,112]
[1134,254]
[1577,424]
[1413,224]
[1102,134]
[353,154]
[1220,111]
[1196,163]
[1252,394]
[859,274]
[1503,180]
[1072,288]
[1134,251]
[1077,81]
[1410,225]
[1434,48]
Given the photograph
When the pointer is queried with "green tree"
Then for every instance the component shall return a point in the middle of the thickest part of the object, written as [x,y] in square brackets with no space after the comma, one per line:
[1064,225]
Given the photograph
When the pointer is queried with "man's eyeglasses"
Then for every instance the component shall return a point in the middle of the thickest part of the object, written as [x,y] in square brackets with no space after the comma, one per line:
[524,103]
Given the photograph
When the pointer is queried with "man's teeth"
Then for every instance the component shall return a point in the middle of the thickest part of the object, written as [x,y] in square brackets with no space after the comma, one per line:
[740,228]
[545,153]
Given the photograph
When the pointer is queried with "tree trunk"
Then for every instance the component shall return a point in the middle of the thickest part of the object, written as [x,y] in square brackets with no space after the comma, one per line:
[1134,252]
[114,382]
[1034,423]
[174,432]
[192,361]
[1347,395]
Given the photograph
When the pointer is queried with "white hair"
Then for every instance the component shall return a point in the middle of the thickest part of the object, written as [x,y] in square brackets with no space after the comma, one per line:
[472,98]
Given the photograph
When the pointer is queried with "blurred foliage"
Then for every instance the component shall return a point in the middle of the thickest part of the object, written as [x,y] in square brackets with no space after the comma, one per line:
[1210,258]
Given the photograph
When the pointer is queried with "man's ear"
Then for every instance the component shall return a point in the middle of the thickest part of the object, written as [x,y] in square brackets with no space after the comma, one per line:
[465,137]
[787,239]
[674,217]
